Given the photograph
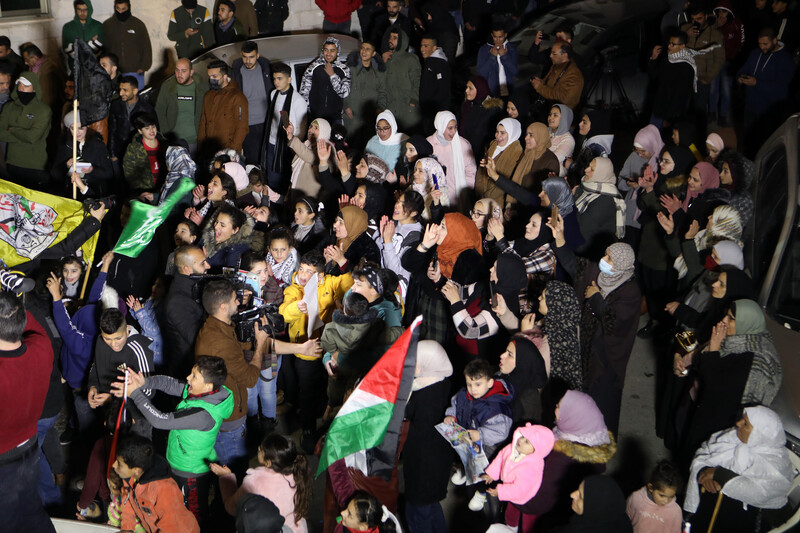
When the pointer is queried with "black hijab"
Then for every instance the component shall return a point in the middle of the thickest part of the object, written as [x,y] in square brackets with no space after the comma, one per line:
[525,247]
[684,160]
[512,279]
[738,286]
[527,379]
[603,508]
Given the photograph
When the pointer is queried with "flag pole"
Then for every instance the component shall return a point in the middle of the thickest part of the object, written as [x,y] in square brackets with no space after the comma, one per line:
[75,122]
[88,271]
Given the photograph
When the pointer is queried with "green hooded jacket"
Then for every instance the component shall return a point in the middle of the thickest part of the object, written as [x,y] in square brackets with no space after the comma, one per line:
[74,29]
[191,450]
[25,128]
[402,80]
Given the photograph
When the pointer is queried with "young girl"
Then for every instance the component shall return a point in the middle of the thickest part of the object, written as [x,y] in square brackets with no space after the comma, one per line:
[653,509]
[282,255]
[519,465]
[227,236]
[365,513]
[186,232]
[72,271]
[283,477]
[309,228]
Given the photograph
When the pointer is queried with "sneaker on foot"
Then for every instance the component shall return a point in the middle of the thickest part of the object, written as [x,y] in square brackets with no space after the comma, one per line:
[477,501]
[458,478]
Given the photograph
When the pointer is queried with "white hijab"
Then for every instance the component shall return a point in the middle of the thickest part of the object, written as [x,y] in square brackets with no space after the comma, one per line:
[395,138]
[441,121]
[762,463]
[513,129]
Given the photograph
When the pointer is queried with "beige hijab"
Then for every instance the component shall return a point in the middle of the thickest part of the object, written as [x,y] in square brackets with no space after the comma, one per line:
[529,157]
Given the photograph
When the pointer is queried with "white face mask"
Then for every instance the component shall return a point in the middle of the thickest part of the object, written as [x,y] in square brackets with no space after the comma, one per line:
[605,268]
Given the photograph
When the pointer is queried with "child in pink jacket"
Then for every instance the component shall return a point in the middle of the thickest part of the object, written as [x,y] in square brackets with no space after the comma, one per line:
[519,465]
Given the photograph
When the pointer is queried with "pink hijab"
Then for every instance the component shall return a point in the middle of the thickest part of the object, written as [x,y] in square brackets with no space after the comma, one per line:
[709,176]
[580,420]
[649,138]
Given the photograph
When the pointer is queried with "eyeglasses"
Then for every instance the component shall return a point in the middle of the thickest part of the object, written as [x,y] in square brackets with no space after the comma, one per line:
[673,44]
[476,214]
[383,129]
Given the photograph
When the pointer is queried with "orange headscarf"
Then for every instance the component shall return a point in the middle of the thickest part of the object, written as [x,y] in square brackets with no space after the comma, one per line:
[356,222]
[462,234]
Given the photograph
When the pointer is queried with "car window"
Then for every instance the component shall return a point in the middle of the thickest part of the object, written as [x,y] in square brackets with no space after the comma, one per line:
[769,210]
[784,301]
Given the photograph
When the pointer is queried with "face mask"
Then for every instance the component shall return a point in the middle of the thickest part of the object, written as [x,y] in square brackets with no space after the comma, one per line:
[710,264]
[605,268]
[214,85]
[26,98]
[122,17]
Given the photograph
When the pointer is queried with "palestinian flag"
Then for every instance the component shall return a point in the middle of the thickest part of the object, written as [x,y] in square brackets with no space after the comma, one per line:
[367,428]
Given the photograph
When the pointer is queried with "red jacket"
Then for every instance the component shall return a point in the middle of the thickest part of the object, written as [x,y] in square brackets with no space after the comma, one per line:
[732,31]
[156,501]
[338,11]
[24,379]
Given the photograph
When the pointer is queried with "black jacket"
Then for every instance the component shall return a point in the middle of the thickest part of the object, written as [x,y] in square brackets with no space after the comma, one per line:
[105,370]
[183,317]
[95,152]
[381,23]
[362,247]
[674,88]
[120,128]
[323,100]
[434,86]
[236,74]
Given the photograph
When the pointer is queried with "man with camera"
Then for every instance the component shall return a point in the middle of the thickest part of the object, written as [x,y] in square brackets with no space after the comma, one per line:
[218,338]
[26,360]
[563,83]
[703,35]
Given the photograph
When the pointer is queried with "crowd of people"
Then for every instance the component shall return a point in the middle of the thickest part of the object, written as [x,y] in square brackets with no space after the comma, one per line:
[328,212]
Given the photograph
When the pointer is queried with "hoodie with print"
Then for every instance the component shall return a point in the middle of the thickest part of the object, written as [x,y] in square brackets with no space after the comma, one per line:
[325,94]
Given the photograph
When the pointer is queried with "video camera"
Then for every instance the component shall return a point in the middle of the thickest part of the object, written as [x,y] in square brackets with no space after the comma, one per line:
[249,314]
[95,203]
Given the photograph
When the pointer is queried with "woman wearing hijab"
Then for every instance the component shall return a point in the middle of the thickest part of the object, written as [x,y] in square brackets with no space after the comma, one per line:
[599,507]
[684,134]
[506,152]
[304,164]
[558,304]
[509,280]
[583,447]
[535,165]
[478,110]
[387,143]
[518,107]
[647,146]
[714,145]
[594,139]
[417,147]
[179,164]
[601,209]
[426,455]
[428,180]
[655,261]
[610,301]
[561,141]
[455,154]
[352,242]
[701,197]
[736,174]
[533,247]
[522,367]
[750,465]
[739,367]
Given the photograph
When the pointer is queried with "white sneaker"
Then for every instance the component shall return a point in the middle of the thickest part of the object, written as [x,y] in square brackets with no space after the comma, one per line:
[477,501]
[458,478]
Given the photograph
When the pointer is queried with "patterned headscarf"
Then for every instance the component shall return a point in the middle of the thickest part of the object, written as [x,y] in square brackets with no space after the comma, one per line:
[560,326]
[623,258]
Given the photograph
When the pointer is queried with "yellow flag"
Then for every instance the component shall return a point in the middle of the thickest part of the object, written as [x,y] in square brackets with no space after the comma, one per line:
[31,221]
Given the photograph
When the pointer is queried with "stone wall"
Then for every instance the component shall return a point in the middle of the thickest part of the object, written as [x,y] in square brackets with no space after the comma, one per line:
[46,31]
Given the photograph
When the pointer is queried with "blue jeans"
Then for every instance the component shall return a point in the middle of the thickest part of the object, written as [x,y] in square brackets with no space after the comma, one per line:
[48,492]
[267,391]
[230,446]
[20,505]
[425,518]
[720,99]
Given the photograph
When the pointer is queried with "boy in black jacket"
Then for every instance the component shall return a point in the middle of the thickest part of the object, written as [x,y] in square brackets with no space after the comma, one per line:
[119,348]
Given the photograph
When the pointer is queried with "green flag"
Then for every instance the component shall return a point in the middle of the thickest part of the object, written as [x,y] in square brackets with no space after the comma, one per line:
[145,220]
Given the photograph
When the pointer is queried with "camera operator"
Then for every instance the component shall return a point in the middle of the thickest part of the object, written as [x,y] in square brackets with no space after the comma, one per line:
[217,337]
[182,310]
[563,83]
[26,361]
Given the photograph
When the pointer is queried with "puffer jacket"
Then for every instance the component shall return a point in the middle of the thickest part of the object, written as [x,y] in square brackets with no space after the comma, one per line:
[331,288]
[25,127]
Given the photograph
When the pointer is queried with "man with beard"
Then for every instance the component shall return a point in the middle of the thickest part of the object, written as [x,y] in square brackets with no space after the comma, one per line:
[120,125]
[766,76]
[192,29]
[5,85]
[83,27]
[127,37]
[180,104]
[402,78]
[223,123]
[253,74]
[391,16]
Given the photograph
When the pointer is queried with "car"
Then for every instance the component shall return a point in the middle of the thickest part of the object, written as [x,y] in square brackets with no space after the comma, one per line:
[296,50]
[613,38]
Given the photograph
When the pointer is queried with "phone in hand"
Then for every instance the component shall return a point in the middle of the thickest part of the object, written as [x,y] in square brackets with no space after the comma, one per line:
[435,182]
[284,119]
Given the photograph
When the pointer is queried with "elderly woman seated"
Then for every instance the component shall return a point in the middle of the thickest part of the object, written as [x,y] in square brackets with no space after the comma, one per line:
[749,465]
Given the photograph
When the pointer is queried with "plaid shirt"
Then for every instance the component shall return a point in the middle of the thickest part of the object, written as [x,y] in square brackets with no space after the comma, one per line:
[541,261]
